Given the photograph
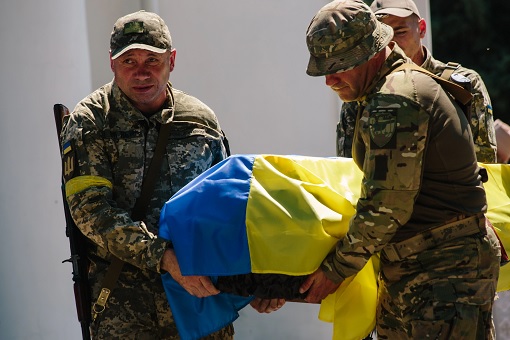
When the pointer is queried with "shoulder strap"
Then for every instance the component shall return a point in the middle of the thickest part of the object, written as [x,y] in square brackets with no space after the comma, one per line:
[449,69]
[138,213]
[460,93]
[226,143]
[140,208]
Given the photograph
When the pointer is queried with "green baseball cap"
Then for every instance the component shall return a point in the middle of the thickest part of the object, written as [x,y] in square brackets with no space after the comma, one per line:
[342,35]
[141,29]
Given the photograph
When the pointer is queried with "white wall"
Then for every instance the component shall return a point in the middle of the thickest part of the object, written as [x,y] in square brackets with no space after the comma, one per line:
[245,59]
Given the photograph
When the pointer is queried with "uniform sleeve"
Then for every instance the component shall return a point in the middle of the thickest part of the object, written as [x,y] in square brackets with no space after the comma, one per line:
[482,121]
[88,184]
[394,130]
[345,129]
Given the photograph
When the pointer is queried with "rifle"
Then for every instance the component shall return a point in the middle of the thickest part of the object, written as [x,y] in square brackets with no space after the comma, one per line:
[77,242]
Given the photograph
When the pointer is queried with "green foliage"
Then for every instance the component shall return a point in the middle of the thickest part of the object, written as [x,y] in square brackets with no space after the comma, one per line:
[472,32]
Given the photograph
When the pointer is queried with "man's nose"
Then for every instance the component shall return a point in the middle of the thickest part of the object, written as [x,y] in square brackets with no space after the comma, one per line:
[141,72]
[332,79]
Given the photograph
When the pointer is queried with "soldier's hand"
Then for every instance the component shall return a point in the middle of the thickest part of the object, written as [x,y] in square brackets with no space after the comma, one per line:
[318,287]
[267,305]
[199,286]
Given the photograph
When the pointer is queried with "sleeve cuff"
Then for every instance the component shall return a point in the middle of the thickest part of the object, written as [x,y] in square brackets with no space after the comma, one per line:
[329,270]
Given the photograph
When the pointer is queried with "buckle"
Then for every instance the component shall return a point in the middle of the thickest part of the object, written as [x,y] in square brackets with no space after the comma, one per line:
[452,65]
[100,304]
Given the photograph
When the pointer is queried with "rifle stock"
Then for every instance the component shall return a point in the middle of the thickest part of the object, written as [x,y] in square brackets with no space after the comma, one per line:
[77,242]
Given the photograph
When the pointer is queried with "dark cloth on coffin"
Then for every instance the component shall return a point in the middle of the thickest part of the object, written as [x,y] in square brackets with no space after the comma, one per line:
[266,286]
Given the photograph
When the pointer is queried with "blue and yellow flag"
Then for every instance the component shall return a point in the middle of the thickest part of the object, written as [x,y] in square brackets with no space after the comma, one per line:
[497,189]
[280,215]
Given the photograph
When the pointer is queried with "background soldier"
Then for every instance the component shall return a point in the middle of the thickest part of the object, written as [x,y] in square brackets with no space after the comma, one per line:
[409,30]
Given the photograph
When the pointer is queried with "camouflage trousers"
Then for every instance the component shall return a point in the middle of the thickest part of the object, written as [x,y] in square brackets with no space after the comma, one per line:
[446,292]
[138,309]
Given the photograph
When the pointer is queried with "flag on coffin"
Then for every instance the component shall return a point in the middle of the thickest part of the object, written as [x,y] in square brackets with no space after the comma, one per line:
[275,214]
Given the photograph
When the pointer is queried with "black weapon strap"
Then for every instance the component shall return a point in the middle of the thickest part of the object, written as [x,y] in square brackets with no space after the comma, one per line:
[138,213]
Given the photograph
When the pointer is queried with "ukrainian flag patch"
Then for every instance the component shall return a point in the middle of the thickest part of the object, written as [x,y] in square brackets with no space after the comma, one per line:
[67,147]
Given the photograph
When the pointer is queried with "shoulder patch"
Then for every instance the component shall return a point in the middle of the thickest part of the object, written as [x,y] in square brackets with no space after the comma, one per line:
[68,160]
[382,126]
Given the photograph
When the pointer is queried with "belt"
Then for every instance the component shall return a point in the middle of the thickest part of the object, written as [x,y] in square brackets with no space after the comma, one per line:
[458,227]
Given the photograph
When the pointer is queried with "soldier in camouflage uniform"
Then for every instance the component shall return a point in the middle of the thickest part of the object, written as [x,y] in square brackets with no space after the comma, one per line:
[108,142]
[422,200]
[403,16]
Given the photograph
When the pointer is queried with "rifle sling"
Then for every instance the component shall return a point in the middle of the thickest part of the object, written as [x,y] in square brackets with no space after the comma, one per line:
[138,213]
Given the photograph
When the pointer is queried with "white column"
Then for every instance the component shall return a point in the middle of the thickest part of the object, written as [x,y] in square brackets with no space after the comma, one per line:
[424,8]
[44,60]
[150,5]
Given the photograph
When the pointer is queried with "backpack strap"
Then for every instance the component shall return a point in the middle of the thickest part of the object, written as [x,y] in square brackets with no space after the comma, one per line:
[458,92]
[449,69]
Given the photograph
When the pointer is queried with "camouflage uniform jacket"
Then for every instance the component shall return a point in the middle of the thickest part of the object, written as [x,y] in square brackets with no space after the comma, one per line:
[414,146]
[482,119]
[108,145]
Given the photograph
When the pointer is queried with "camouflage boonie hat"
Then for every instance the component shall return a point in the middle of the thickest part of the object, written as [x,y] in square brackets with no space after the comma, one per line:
[342,35]
[141,29]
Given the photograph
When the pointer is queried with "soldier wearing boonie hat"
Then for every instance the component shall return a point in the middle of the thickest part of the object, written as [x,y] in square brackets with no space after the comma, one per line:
[422,202]
[144,30]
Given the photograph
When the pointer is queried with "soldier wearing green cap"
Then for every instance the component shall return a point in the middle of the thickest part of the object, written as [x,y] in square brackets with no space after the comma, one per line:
[410,28]
[422,201]
[110,139]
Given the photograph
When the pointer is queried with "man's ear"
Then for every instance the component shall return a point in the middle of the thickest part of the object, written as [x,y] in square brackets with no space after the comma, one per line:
[422,26]
[172,59]
[111,61]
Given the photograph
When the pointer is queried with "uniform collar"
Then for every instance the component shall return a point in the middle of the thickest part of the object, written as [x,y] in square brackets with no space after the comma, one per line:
[431,64]
[396,58]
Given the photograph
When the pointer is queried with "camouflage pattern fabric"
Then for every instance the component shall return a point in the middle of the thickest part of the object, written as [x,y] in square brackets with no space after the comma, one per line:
[441,293]
[482,119]
[107,147]
[345,129]
[343,35]
[140,29]
[138,309]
